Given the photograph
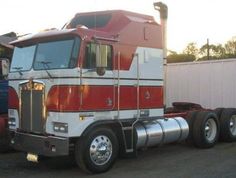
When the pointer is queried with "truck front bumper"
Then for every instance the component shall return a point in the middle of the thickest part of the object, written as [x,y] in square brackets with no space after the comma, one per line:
[40,145]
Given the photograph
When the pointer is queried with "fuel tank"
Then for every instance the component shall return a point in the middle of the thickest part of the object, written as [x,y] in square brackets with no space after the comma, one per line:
[161,131]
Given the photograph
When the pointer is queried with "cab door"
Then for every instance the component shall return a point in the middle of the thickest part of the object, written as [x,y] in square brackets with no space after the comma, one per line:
[97,83]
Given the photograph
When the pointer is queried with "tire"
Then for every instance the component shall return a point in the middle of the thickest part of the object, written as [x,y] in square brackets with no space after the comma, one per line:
[3,148]
[4,144]
[218,112]
[190,118]
[87,153]
[228,125]
[206,129]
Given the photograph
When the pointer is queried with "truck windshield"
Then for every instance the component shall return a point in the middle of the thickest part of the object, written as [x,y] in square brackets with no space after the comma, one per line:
[50,55]
[22,58]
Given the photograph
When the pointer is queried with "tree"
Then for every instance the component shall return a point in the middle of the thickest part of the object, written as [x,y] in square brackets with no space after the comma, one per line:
[175,57]
[191,49]
[171,52]
[230,48]
[215,52]
[189,54]
[192,53]
[218,51]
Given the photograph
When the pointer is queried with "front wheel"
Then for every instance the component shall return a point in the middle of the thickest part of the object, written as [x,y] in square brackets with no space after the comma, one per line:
[97,151]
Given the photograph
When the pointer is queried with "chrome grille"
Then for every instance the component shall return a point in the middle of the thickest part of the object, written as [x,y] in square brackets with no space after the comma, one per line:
[32,109]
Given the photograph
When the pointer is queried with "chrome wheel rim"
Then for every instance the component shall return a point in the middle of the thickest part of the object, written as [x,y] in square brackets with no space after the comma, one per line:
[232,125]
[210,130]
[100,150]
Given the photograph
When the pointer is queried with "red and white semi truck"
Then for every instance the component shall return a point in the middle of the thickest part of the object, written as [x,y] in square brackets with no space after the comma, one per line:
[96,90]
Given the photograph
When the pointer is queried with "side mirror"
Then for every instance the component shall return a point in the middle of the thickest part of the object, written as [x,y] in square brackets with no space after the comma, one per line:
[101,58]
[4,67]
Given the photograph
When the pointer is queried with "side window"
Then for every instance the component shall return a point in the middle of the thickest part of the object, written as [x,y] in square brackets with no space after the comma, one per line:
[90,56]
[109,58]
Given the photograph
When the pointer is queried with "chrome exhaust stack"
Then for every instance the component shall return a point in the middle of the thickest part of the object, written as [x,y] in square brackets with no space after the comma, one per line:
[163,10]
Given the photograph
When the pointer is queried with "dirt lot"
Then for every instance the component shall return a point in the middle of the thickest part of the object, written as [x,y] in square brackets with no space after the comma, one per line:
[176,160]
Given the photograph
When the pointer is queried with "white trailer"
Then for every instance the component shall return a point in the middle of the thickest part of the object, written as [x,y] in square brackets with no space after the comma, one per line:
[211,84]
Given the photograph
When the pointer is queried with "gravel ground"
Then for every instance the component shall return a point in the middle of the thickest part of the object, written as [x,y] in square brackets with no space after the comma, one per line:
[175,160]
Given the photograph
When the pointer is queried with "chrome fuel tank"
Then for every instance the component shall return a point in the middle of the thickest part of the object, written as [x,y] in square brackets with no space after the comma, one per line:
[161,131]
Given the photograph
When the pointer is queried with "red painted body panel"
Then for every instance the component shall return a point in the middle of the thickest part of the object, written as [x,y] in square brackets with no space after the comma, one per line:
[149,97]
[13,100]
[3,124]
[68,98]
[126,56]
[119,18]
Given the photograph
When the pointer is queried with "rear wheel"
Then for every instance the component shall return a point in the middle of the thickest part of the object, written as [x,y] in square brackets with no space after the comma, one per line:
[97,151]
[228,125]
[205,129]
[190,118]
[218,112]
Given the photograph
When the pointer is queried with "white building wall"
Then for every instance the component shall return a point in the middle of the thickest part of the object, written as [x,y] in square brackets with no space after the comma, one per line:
[209,83]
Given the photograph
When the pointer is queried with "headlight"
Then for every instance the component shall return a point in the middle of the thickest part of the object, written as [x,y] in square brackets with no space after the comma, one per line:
[12,122]
[60,127]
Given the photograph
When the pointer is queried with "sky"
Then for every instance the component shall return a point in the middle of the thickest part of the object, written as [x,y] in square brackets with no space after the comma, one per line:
[188,20]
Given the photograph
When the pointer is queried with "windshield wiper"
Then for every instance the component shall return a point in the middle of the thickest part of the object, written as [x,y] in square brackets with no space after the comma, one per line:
[18,69]
[46,67]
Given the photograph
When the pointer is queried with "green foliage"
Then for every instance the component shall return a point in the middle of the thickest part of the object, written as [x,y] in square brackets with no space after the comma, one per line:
[215,52]
[174,58]
[230,48]
[205,58]
[192,53]
[191,49]
[5,52]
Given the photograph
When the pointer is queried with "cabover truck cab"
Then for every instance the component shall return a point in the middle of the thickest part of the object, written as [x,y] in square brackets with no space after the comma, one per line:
[95,90]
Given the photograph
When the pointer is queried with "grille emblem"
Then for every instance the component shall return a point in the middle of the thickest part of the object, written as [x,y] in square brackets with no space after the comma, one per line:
[30,84]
